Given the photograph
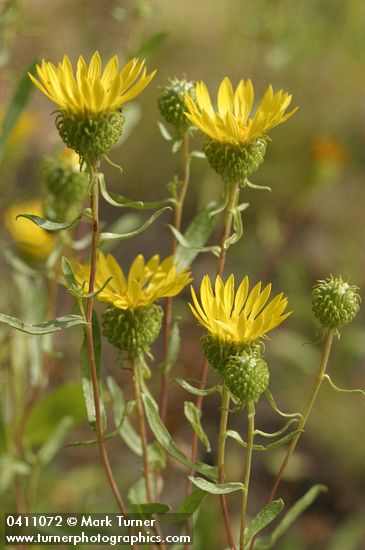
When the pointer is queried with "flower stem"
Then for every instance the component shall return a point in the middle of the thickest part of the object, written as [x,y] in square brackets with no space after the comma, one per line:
[90,342]
[221,455]
[246,480]
[317,384]
[228,220]
[168,304]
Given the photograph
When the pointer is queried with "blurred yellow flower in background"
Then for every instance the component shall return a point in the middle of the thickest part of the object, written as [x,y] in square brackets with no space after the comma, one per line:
[25,126]
[31,240]
[239,317]
[90,91]
[145,283]
[232,123]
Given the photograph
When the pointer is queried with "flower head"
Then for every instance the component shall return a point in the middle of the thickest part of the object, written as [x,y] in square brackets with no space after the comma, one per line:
[233,122]
[90,91]
[30,238]
[240,317]
[145,283]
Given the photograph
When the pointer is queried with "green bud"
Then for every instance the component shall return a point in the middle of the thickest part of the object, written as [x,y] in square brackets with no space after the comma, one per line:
[234,163]
[67,188]
[334,302]
[217,352]
[246,377]
[130,330]
[91,136]
[171,103]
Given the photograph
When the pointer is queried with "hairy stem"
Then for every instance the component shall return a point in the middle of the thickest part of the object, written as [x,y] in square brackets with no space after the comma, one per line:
[221,456]
[317,384]
[90,342]
[246,480]
[168,304]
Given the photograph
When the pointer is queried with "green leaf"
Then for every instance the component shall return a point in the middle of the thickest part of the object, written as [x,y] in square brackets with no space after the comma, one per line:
[86,379]
[192,502]
[217,488]
[262,519]
[293,513]
[193,415]
[125,223]
[66,400]
[122,202]
[50,448]
[173,348]
[164,438]
[121,237]
[275,408]
[151,44]
[47,327]
[17,103]
[279,432]
[238,230]
[43,223]
[342,390]
[236,436]
[195,237]
[126,430]
[68,274]
[196,391]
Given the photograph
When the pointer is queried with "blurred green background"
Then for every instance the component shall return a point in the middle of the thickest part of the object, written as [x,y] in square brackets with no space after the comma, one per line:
[308,226]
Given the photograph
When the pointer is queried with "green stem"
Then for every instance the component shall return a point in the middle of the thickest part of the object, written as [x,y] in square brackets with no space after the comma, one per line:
[90,341]
[246,481]
[319,379]
[228,220]
[221,456]
[168,304]
[316,387]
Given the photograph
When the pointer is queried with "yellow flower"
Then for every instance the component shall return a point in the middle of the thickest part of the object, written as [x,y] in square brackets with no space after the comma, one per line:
[70,158]
[32,240]
[91,92]
[233,123]
[237,318]
[146,282]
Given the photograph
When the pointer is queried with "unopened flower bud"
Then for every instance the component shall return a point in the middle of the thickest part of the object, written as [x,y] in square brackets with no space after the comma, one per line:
[172,105]
[134,330]
[334,302]
[246,377]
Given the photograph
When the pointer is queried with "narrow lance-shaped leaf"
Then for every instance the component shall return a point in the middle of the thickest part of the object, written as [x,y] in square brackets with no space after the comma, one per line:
[275,408]
[217,488]
[196,391]
[192,502]
[123,236]
[86,377]
[47,327]
[122,202]
[16,106]
[48,225]
[293,513]
[342,390]
[126,430]
[262,519]
[50,448]
[164,438]
[193,415]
